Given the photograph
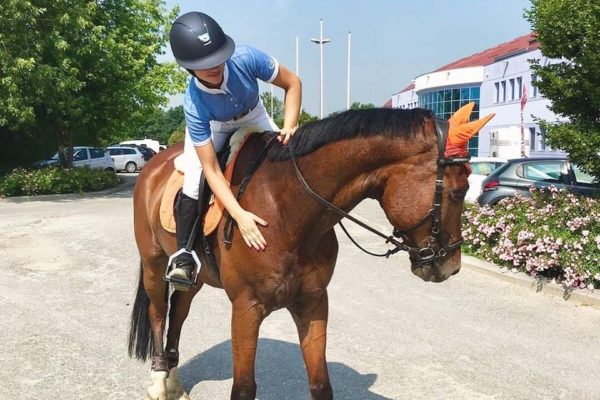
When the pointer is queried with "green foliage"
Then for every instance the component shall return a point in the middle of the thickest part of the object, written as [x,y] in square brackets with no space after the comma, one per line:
[555,234]
[306,117]
[22,182]
[277,107]
[160,125]
[79,71]
[569,31]
[354,106]
[361,106]
[177,136]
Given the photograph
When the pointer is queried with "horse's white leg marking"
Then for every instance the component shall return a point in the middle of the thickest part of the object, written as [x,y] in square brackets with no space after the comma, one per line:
[158,389]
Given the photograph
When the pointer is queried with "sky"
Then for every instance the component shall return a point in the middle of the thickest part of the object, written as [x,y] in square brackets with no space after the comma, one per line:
[393,41]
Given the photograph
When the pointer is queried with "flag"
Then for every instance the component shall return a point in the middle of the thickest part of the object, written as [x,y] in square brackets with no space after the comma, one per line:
[524,97]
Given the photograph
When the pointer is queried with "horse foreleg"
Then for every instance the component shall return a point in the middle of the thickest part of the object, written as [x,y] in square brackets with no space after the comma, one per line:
[156,289]
[310,317]
[180,307]
[247,315]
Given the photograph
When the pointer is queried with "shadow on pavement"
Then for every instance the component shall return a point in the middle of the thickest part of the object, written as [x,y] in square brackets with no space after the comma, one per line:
[280,373]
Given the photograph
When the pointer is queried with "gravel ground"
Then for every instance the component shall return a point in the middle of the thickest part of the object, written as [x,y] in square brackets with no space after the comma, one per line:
[70,270]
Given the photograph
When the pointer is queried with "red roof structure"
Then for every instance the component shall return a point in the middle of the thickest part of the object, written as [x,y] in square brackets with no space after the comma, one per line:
[522,44]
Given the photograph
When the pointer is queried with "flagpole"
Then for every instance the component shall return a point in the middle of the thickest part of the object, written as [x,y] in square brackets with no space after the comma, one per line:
[523,155]
[523,102]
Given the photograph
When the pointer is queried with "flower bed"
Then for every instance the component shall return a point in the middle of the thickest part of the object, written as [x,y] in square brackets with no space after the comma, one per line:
[22,182]
[553,234]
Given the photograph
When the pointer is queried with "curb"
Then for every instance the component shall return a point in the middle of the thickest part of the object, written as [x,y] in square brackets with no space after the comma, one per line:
[583,297]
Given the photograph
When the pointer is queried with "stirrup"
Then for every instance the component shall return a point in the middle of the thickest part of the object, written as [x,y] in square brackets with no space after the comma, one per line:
[182,284]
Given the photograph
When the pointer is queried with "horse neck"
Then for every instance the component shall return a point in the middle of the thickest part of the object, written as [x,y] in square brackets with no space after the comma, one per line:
[347,172]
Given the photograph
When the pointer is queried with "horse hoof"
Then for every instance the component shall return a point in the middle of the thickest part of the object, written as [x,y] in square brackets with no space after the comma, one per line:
[174,386]
[158,389]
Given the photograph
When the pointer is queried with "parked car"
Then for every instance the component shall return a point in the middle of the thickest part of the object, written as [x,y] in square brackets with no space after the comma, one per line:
[128,159]
[481,167]
[145,150]
[83,156]
[150,143]
[518,175]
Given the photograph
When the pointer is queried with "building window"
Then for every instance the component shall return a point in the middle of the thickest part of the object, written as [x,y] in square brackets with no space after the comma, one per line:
[543,139]
[445,102]
[503,91]
[532,139]
[519,87]
[534,85]
[512,89]
[497,84]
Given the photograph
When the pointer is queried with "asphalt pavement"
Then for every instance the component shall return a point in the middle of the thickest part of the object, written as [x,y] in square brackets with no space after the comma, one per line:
[69,273]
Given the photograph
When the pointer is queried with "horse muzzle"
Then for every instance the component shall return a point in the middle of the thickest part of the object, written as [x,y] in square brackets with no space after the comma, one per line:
[436,270]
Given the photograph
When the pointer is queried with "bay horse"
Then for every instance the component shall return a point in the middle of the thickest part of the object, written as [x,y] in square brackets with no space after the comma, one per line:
[398,157]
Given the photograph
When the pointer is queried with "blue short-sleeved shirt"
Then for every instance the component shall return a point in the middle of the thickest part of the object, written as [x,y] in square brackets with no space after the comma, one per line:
[238,92]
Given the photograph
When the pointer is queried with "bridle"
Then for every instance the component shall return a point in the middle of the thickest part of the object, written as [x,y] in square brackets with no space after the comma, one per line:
[434,250]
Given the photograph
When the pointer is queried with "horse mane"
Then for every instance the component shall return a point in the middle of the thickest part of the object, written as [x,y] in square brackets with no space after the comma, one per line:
[391,122]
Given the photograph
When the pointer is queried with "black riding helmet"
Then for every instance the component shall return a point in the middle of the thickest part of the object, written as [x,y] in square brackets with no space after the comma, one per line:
[198,42]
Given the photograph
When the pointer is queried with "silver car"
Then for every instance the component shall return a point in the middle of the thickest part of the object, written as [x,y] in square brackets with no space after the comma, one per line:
[127,159]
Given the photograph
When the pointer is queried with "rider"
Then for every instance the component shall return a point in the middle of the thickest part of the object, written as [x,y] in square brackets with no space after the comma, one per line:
[222,96]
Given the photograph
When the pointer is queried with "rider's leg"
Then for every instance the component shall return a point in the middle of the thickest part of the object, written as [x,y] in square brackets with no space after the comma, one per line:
[186,211]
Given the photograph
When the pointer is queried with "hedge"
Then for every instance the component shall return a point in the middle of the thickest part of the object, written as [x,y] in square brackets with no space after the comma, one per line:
[23,182]
[553,234]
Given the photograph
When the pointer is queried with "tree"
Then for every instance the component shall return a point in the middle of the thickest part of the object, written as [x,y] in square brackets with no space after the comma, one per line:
[82,71]
[306,117]
[354,106]
[178,136]
[160,125]
[568,31]
[361,106]
[277,107]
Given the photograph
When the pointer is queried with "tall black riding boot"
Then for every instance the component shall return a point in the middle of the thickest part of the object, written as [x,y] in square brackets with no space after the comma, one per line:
[186,211]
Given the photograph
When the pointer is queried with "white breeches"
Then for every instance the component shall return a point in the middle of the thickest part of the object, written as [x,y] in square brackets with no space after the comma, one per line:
[220,132]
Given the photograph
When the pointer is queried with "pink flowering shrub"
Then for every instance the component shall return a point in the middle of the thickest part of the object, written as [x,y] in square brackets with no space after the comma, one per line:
[555,234]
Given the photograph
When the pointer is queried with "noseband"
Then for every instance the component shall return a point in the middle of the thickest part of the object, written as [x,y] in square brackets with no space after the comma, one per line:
[434,250]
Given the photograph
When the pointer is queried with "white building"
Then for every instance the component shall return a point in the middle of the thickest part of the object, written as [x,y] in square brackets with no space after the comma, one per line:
[494,79]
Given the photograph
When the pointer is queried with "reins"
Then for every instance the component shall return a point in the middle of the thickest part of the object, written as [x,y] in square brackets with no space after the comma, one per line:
[424,255]
[344,214]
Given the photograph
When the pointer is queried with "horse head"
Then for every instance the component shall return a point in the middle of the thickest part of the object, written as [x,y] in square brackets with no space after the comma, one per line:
[424,196]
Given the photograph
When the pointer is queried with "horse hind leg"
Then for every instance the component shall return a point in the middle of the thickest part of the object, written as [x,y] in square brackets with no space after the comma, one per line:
[148,324]
[180,307]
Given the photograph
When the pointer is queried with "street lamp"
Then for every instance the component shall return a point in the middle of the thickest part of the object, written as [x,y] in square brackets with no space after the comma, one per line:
[321,42]
[348,82]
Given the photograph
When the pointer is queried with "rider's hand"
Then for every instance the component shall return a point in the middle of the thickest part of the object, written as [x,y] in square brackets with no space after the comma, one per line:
[285,134]
[247,221]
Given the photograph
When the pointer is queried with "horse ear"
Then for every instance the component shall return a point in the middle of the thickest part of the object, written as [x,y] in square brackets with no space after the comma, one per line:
[462,115]
[459,135]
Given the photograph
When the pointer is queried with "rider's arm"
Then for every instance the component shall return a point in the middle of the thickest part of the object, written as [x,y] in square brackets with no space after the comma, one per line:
[292,86]
[220,187]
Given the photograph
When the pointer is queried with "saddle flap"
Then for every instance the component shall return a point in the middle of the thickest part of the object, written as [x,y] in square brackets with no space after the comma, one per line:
[216,209]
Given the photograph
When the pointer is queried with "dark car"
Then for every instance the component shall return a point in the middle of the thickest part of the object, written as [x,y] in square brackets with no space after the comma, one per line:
[518,175]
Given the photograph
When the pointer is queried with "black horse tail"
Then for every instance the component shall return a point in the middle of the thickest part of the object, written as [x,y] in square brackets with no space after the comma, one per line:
[140,334]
